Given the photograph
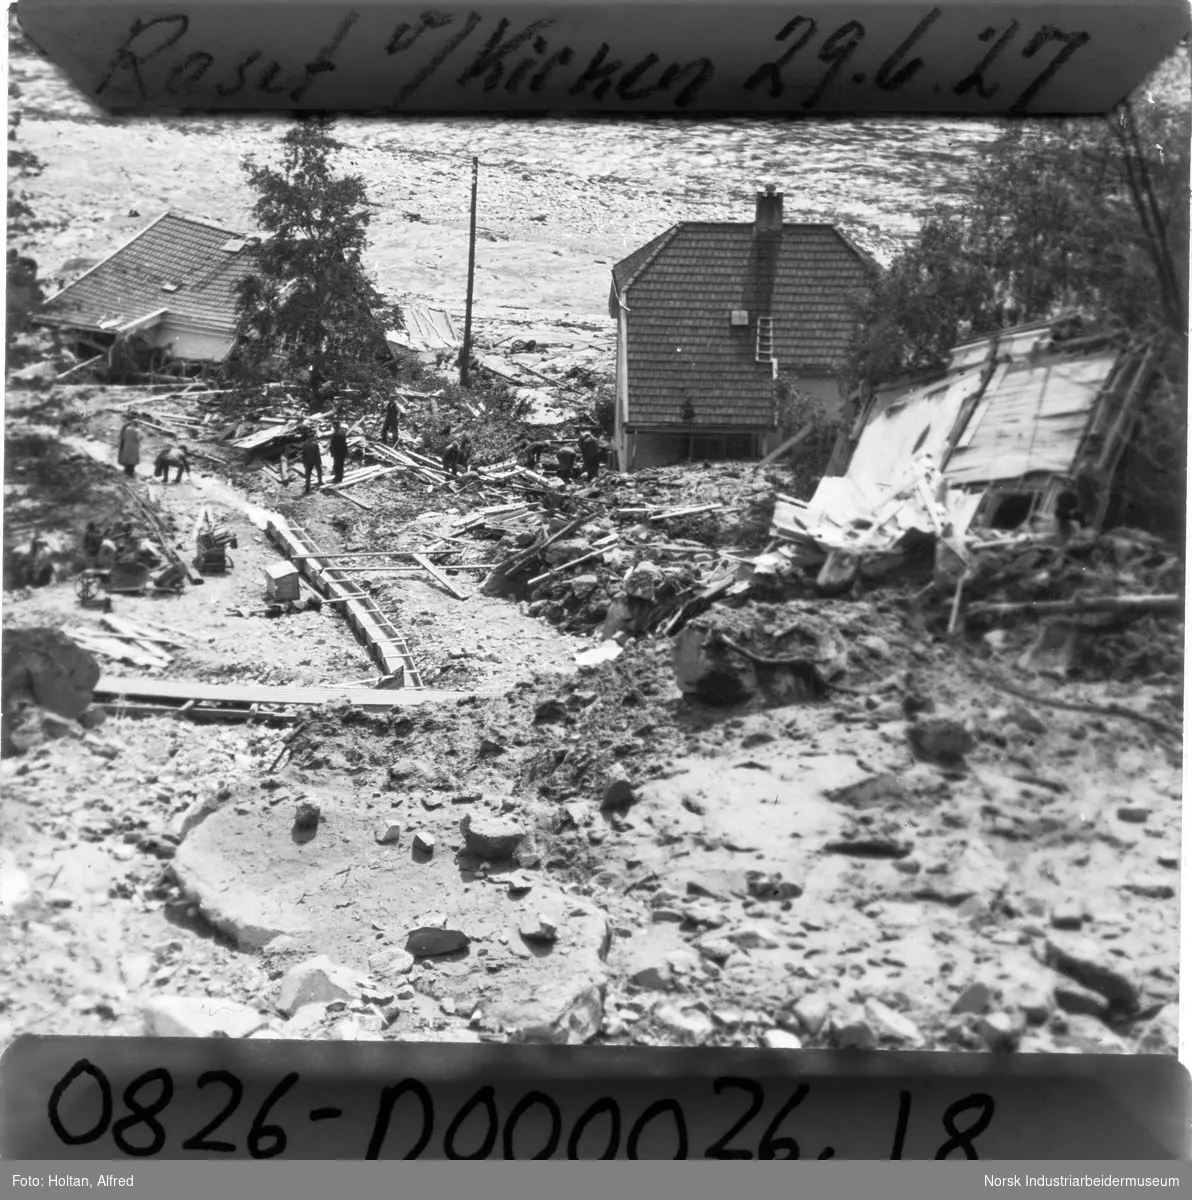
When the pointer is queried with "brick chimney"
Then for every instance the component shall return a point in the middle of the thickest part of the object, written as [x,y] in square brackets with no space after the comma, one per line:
[769,211]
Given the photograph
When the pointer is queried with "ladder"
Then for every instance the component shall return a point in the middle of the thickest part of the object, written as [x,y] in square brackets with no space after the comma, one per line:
[765,343]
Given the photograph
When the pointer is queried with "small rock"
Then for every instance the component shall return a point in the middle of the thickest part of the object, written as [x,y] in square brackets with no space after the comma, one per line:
[389,834]
[1026,720]
[1133,814]
[392,961]
[550,711]
[316,981]
[754,937]
[812,1011]
[538,929]
[941,738]
[307,817]
[850,1030]
[651,977]
[1084,961]
[1151,888]
[780,1039]
[57,898]
[886,1022]
[519,882]
[691,1025]
[424,843]
[716,949]
[429,942]
[976,998]
[1072,998]
[200,1017]
[490,836]
[618,791]
[1067,916]
[1161,1035]
[1001,1030]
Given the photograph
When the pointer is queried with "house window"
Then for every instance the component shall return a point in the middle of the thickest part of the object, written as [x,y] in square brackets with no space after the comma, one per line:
[739,317]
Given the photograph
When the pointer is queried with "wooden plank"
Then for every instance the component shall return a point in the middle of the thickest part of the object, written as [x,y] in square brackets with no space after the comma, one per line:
[181,690]
[434,572]
[334,490]
[789,444]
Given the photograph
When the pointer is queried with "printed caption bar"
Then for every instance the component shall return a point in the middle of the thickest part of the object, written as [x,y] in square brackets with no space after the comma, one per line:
[120,1098]
[1067,57]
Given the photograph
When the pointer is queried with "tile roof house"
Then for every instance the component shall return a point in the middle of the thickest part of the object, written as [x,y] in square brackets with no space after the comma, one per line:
[171,289]
[709,314]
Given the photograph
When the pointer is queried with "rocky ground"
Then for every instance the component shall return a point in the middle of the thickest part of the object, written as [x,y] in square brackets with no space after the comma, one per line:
[593,855]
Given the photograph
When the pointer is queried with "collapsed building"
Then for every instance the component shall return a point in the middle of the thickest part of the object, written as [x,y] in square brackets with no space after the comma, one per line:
[1025,428]
[166,300]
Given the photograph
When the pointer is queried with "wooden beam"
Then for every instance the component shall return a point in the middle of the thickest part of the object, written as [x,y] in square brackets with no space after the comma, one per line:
[434,572]
[789,444]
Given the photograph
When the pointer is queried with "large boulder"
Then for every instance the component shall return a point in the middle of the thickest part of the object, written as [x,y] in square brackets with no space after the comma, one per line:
[43,668]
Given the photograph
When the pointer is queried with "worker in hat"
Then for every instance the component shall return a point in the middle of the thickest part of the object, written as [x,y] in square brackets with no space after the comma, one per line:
[339,452]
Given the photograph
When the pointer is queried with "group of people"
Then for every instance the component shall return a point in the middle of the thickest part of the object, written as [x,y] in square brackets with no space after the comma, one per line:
[589,453]
[312,455]
[171,456]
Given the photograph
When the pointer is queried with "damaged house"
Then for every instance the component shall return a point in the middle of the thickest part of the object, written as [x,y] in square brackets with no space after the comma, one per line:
[710,315]
[169,296]
[1024,426]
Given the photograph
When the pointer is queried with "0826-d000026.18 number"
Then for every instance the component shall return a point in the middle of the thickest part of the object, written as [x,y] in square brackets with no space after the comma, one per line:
[752,1128]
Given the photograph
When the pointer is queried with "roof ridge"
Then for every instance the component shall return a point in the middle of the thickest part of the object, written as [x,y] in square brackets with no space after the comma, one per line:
[664,239]
[203,222]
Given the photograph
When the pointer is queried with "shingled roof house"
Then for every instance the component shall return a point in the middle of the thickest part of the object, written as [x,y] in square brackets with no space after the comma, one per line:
[709,314]
[171,293]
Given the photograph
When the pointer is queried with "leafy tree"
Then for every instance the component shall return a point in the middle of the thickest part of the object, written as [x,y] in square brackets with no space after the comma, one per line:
[1084,214]
[22,164]
[310,303]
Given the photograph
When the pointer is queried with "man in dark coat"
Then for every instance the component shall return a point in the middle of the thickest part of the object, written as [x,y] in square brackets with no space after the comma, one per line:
[312,458]
[565,457]
[390,425]
[451,458]
[465,452]
[589,449]
[339,452]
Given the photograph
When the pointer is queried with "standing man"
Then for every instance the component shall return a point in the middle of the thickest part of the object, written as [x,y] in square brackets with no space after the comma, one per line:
[339,451]
[312,459]
[128,448]
[451,458]
[465,452]
[589,449]
[565,457]
[390,422]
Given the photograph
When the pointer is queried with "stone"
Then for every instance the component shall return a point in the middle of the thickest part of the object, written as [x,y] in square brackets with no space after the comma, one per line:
[1001,1030]
[549,712]
[582,586]
[307,817]
[200,1017]
[888,1023]
[1133,814]
[491,837]
[942,739]
[717,949]
[618,791]
[780,1039]
[976,998]
[562,1012]
[306,1018]
[1161,1034]
[754,937]
[1151,887]
[1072,998]
[851,1031]
[319,980]
[1086,962]
[538,929]
[690,1025]
[431,941]
[884,791]
[1068,915]
[707,671]
[650,976]
[389,834]
[1026,720]
[643,581]
[813,1011]
[424,842]
[390,962]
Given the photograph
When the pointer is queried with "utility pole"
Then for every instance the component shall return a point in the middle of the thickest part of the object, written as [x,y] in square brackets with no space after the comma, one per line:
[465,358]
